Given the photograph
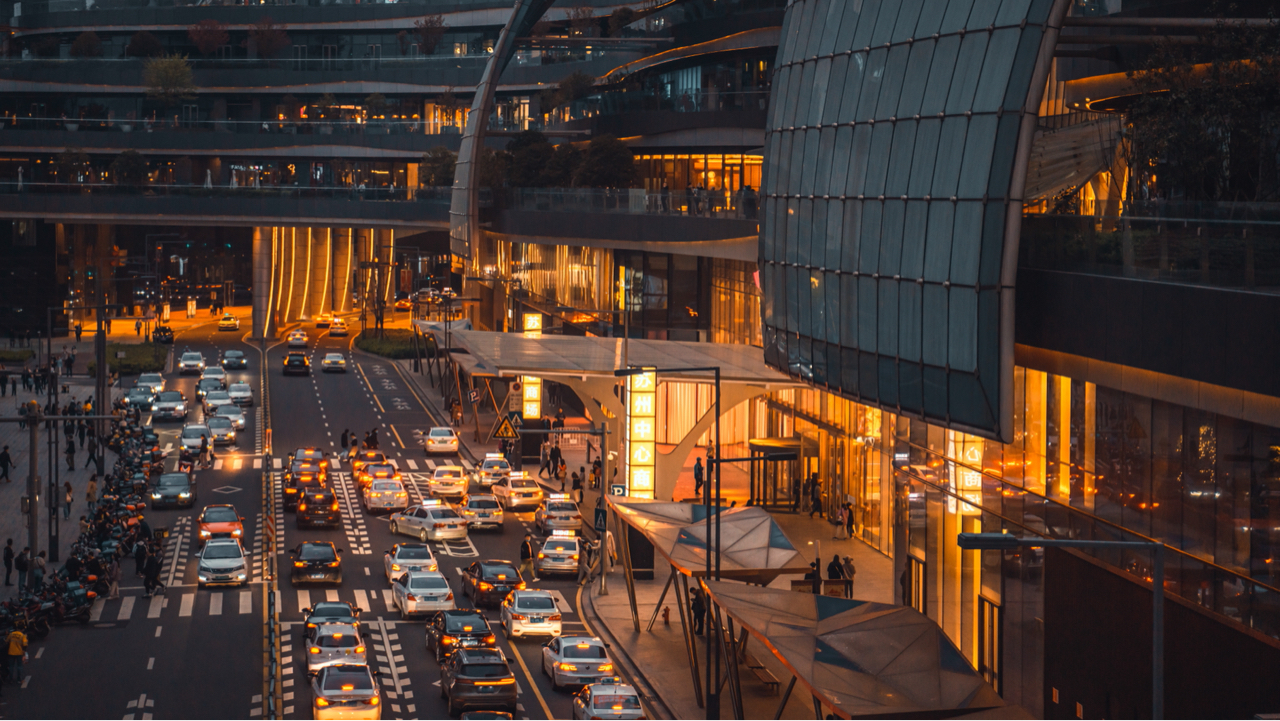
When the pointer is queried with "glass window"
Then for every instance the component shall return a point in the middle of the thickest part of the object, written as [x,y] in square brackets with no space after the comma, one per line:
[869,256]
[862,35]
[830,30]
[1023,66]
[891,237]
[934,333]
[858,161]
[831,284]
[924,155]
[908,16]
[979,142]
[957,15]
[940,71]
[963,319]
[914,228]
[818,232]
[867,313]
[809,165]
[909,317]
[818,95]
[966,244]
[1014,11]
[803,236]
[1002,158]
[937,252]
[891,87]
[983,14]
[836,89]
[995,70]
[878,160]
[916,75]
[818,302]
[835,229]
[993,227]
[793,300]
[968,70]
[852,235]
[900,158]
[871,80]
[931,17]
[821,184]
[852,86]
[887,312]
[799,115]
[946,169]
[848,311]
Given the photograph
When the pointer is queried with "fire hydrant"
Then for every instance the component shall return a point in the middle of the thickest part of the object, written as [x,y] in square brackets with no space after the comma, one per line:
[666,615]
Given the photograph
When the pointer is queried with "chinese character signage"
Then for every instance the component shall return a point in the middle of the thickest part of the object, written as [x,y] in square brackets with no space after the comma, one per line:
[532,401]
[641,417]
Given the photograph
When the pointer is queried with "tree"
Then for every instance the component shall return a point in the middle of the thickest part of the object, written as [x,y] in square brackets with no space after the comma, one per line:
[582,21]
[562,167]
[208,35]
[430,30]
[607,163]
[530,153]
[130,169]
[87,45]
[266,38]
[326,104]
[619,19]
[575,87]
[437,167]
[144,45]
[492,168]
[71,165]
[168,79]
[376,104]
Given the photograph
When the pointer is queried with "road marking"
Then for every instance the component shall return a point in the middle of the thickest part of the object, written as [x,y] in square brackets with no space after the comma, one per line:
[366,571]
[277,463]
[168,447]
[157,603]
[215,604]
[40,652]
[541,701]
[304,599]
[412,465]
[397,433]
[158,629]
[336,462]
[237,464]
[96,614]
[151,662]
[188,603]
[362,599]
[217,465]
[389,598]
[257,463]
[246,601]
[126,608]
[331,595]
[431,464]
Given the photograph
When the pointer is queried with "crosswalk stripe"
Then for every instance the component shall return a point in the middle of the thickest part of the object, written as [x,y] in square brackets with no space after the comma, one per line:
[304,599]
[431,464]
[168,447]
[126,608]
[277,463]
[467,464]
[246,601]
[257,463]
[96,614]
[412,466]
[217,465]
[215,604]
[188,603]
[237,464]
[331,595]
[336,462]
[157,603]
[389,599]
[362,600]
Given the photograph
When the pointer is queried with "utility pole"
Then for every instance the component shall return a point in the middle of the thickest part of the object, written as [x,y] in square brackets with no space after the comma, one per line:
[33,478]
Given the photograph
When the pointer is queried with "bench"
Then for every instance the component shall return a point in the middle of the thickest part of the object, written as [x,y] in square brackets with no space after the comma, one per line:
[762,674]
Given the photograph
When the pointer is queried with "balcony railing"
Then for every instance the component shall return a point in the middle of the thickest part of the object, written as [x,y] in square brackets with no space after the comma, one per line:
[250,190]
[740,205]
[181,123]
[692,101]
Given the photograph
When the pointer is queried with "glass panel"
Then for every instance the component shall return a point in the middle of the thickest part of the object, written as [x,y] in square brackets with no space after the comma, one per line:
[1012,12]
[992,243]
[835,232]
[798,96]
[858,160]
[836,90]
[1023,66]
[849,249]
[979,142]
[891,87]
[793,229]
[804,301]
[995,70]
[900,158]
[966,244]
[957,16]
[818,301]
[809,166]
[891,237]
[934,334]
[869,258]
[922,162]
[963,318]
[853,86]
[888,317]
[1006,146]
[910,299]
[803,238]
[913,231]
[878,161]
[968,70]
[908,16]
[946,169]
[937,252]
[834,311]
[917,75]
[940,73]
[848,311]
[818,95]
[870,92]
[862,37]
[818,233]
[831,29]
[792,299]
[866,313]
[839,172]
[931,17]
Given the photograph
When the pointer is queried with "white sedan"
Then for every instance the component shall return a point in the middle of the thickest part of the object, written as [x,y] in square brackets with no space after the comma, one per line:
[441,440]
[241,394]
[334,362]
[384,495]
[607,701]
[448,482]
[530,613]
[231,412]
[576,661]
[421,592]
[297,339]
[430,522]
[407,557]
[518,491]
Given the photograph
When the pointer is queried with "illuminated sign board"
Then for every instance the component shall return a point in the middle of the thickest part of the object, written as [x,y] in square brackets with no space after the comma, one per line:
[641,418]
[531,402]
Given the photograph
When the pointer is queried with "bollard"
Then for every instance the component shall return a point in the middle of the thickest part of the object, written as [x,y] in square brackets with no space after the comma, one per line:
[666,615]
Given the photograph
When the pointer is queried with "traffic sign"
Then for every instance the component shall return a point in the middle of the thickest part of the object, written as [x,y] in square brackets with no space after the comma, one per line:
[617,489]
[602,518]
[516,420]
[505,431]
[474,396]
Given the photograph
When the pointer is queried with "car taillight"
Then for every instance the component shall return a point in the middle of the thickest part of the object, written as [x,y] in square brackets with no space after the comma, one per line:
[490,639]
[334,507]
[438,525]
[555,617]
[448,640]
[298,564]
[542,555]
[486,586]
[518,617]
[449,597]
[575,556]
[606,668]
[302,507]
[321,702]
[360,649]
[334,564]
[520,586]
[315,649]
[373,701]
[412,597]
[567,667]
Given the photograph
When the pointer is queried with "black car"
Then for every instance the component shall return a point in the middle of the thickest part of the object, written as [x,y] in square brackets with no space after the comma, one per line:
[317,507]
[316,562]
[328,612]
[234,359]
[205,386]
[302,475]
[176,490]
[162,334]
[297,364]
[489,582]
[457,629]
[478,678]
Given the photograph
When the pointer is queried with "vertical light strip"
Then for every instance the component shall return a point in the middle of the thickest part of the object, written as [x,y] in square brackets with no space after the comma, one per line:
[304,308]
[531,406]
[1064,439]
[293,261]
[328,268]
[391,255]
[271,286]
[346,283]
[641,417]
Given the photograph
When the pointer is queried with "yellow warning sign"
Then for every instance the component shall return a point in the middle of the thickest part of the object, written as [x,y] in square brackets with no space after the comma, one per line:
[505,430]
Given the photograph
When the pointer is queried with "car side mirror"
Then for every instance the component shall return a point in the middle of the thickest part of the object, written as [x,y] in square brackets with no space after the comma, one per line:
[306,611]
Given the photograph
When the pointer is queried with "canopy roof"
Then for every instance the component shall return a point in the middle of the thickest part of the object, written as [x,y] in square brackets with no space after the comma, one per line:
[507,354]
[753,546]
[861,658]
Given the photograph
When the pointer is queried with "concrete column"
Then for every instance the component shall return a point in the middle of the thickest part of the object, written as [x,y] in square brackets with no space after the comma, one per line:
[263,312]
[343,263]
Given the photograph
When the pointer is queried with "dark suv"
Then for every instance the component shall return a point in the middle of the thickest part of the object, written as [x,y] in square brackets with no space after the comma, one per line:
[489,582]
[456,629]
[300,477]
[318,507]
[478,678]
[316,562]
[297,363]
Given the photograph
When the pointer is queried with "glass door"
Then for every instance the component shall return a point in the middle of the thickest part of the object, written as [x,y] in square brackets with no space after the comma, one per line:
[990,636]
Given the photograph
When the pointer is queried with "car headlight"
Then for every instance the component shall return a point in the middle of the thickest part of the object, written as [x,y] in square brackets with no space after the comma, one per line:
[184,494]
[205,534]
[241,576]
[155,408]
[155,496]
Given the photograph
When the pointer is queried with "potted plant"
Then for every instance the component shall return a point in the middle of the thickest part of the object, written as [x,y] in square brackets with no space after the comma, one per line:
[72,125]
[127,125]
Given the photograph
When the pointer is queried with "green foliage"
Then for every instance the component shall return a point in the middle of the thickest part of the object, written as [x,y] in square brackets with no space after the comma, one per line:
[493,168]
[563,166]
[621,18]
[429,30]
[376,104]
[437,167]
[16,356]
[397,344]
[130,168]
[87,45]
[71,165]
[531,153]
[138,358]
[607,163]
[143,45]
[169,79]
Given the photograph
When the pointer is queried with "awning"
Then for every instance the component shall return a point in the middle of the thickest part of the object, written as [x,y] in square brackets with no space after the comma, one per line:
[861,659]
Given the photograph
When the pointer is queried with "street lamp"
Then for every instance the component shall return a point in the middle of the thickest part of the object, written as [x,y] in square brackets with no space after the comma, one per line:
[1008,542]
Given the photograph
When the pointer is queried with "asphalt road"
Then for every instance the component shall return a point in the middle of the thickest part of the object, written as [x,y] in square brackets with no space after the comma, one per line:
[197,653]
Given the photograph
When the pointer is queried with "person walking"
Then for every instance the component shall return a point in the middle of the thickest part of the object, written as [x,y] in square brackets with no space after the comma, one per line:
[113,577]
[849,572]
[204,451]
[8,562]
[346,434]
[38,567]
[839,524]
[577,487]
[67,497]
[848,520]
[22,564]
[71,455]
[93,450]
[815,496]
[82,429]
[137,327]
[698,607]
[17,641]
[544,459]
[4,384]
[139,557]
[562,474]
[697,477]
[526,559]
[6,462]
[586,557]
[79,331]
[151,577]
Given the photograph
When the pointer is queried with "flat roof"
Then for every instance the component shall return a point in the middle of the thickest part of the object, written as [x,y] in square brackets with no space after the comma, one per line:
[510,354]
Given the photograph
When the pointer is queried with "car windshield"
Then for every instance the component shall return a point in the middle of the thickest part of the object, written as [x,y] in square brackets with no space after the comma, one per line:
[228,410]
[560,546]
[220,515]
[216,396]
[149,378]
[333,356]
[139,393]
[444,514]
[191,356]
[561,506]
[616,701]
[219,422]
[209,383]
[459,623]
[441,433]
[221,550]
[485,503]
[304,467]
[485,670]
[583,650]
[381,470]
[520,483]
[169,397]
[386,486]
[194,431]
[237,387]
[297,360]
[496,466]
[498,571]
[172,480]
[412,553]
[332,610]
[320,497]
[373,457]
[233,354]
[448,473]
[338,640]
[537,603]
[317,552]
[428,583]
[347,680]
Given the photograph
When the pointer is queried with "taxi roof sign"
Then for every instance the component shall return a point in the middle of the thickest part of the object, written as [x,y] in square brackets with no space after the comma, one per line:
[432,503]
[493,455]
[562,534]
[558,496]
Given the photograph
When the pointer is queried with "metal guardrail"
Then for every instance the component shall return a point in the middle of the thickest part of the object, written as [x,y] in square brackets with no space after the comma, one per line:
[273,689]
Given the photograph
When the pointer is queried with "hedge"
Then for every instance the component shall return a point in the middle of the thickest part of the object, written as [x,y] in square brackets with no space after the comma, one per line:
[397,344]
[138,358]
[16,356]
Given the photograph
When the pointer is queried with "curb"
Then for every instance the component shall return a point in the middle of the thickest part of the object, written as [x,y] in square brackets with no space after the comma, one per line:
[597,627]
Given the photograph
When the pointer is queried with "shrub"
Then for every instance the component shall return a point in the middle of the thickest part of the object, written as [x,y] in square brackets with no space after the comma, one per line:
[87,45]
[143,45]
[138,358]
[397,344]
[208,35]
[607,163]
[129,168]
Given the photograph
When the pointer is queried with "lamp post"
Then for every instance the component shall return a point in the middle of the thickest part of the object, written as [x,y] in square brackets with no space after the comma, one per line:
[1007,542]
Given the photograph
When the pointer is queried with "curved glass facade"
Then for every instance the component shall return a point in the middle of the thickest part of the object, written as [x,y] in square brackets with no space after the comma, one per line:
[891,200]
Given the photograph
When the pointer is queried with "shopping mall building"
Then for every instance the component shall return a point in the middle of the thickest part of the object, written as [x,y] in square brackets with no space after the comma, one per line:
[1007,306]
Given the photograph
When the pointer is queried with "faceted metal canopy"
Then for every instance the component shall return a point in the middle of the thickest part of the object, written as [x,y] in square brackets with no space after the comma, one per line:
[753,547]
[860,658]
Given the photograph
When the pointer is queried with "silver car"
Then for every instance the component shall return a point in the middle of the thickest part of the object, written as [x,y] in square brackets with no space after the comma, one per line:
[494,469]
[190,362]
[213,399]
[152,381]
[608,700]
[191,435]
[222,430]
[421,592]
[215,373]
[169,404]
[233,413]
[430,523]
[385,495]
[345,691]
[222,563]
[406,557]
[330,644]
[241,394]
[559,554]
[576,661]
[558,514]
[481,509]
[448,482]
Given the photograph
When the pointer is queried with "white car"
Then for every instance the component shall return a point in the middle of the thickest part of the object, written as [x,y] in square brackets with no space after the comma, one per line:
[216,373]
[421,592]
[432,521]
[169,404]
[530,613]
[241,394]
[297,339]
[191,435]
[559,513]
[480,510]
[559,554]
[153,382]
[345,691]
[408,557]
[190,362]
[338,327]
[576,661]
[213,399]
[493,469]
[222,563]
[384,495]
[221,429]
[448,482]
[440,440]
[608,701]
[518,491]
[334,362]
[330,644]
[231,412]
[323,320]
